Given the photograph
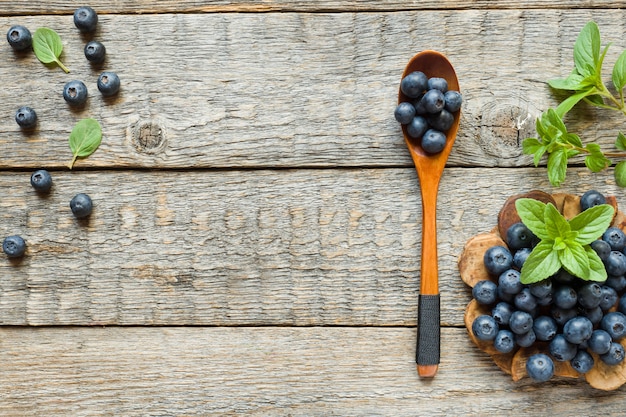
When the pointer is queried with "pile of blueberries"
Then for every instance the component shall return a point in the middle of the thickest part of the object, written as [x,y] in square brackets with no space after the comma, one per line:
[565,315]
[75,94]
[430,114]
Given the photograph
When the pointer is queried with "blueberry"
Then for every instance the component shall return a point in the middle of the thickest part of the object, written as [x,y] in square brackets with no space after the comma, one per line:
[504,296]
[615,237]
[615,264]
[590,295]
[540,367]
[81,205]
[591,198]
[545,328]
[609,298]
[519,236]
[75,92]
[404,113]
[621,305]
[562,315]
[614,323]
[438,83]
[433,141]
[434,101]
[614,356]
[485,292]
[441,121]
[582,362]
[502,312]
[525,340]
[26,117]
[577,330]
[95,52]
[593,314]
[497,259]
[564,277]
[525,301]
[602,248]
[562,350]
[504,342]
[41,181]
[453,101]
[618,283]
[414,84]
[419,105]
[599,342]
[510,282]
[521,322]
[14,246]
[485,328]
[85,19]
[417,127]
[19,37]
[546,300]
[542,288]
[565,297]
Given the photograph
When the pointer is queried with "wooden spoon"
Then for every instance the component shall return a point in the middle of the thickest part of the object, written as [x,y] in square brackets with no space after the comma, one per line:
[429,170]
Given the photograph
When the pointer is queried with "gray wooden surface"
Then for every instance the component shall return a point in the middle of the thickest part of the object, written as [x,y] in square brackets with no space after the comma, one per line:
[254,245]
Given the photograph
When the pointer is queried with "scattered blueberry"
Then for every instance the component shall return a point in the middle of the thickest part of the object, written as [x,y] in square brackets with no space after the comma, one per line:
[75,92]
[501,313]
[41,181]
[599,342]
[593,314]
[540,367]
[26,117]
[562,315]
[510,282]
[562,350]
[417,127]
[591,198]
[602,248]
[85,19]
[497,259]
[485,292]
[438,83]
[542,288]
[525,340]
[545,328]
[414,84]
[14,246]
[519,236]
[441,121]
[618,283]
[525,301]
[404,113]
[504,341]
[577,330]
[521,322]
[590,295]
[615,237]
[582,362]
[615,355]
[565,297]
[485,327]
[81,205]
[434,101]
[19,37]
[453,101]
[433,141]
[609,298]
[615,264]
[614,324]
[520,257]
[95,52]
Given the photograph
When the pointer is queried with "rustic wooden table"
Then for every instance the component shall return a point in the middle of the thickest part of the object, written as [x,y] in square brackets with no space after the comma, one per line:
[255,238]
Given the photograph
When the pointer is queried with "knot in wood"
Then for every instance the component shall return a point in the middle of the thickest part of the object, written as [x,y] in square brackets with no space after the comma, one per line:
[148,137]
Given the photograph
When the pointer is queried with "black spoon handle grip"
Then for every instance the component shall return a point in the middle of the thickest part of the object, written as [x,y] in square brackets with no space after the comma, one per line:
[428,332]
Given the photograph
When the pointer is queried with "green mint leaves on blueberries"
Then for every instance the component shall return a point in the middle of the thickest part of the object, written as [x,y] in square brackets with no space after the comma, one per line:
[85,139]
[563,243]
[585,84]
[47,46]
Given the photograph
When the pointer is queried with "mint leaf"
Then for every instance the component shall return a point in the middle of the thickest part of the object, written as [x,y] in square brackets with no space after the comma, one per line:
[620,142]
[574,259]
[531,212]
[47,46]
[556,225]
[597,271]
[557,167]
[567,104]
[532,146]
[574,82]
[542,263]
[596,161]
[619,72]
[587,50]
[620,174]
[591,223]
[85,139]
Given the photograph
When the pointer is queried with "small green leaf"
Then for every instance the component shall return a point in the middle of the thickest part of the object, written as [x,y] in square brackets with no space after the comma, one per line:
[620,174]
[591,223]
[556,225]
[85,139]
[567,104]
[573,82]
[48,46]
[575,260]
[597,270]
[557,167]
[531,213]
[532,146]
[620,142]
[619,72]
[596,161]
[587,49]
[542,263]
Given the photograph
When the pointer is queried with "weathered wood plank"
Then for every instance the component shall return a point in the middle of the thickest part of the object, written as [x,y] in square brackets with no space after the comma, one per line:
[286,247]
[266,371]
[294,89]
[221,6]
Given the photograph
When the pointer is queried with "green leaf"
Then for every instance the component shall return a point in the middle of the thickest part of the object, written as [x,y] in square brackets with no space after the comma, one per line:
[575,260]
[591,223]
[85,139]
[531,213]
[556,225]
[587,49]
[596,161]
[620,142]
[620,174]
[47,46]
[542,263]
[619,72]
[557,167]
[597,271]
[574,82]
[532,146]
[567,104]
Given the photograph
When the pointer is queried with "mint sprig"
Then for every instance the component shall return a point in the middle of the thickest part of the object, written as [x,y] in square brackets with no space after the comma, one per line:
[585,84]
[563,243]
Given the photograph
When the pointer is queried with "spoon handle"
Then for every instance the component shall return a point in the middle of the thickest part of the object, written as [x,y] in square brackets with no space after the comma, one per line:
[428,316]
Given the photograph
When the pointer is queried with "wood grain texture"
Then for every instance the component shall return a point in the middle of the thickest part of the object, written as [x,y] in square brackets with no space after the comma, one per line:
[286,247]
[251,90]
[266,371]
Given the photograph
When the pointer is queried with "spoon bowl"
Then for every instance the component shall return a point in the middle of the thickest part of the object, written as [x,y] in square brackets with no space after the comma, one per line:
[429,169]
